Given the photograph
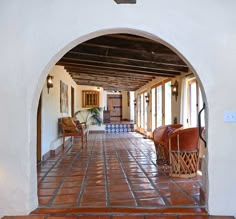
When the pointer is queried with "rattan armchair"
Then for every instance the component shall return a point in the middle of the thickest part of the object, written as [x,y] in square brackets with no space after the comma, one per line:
[160,137]
[184,152]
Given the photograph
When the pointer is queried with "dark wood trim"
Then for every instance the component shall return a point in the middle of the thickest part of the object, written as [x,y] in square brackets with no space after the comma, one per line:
[72,101]
[39,127]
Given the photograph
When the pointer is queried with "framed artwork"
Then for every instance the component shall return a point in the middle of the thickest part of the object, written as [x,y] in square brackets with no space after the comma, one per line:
[64,104]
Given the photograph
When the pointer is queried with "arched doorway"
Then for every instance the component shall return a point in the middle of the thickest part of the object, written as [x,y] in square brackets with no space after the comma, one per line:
[149,36]
[42,40]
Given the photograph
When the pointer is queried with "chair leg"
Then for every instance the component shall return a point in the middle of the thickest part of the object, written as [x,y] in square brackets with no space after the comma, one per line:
[63,141]
[82,141]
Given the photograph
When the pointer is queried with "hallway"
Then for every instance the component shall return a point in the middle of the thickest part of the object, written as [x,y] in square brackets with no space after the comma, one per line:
[113,170]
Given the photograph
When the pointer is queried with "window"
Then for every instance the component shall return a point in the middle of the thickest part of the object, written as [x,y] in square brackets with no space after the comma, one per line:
[161,104]
[193,104]
[168,110]
[142,110]
[90,98]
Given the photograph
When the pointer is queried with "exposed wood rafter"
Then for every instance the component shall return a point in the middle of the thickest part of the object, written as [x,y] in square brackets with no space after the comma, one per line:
[121,62]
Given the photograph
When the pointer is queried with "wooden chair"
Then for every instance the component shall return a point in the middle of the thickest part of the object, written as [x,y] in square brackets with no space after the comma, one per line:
[160,137]
[184,153]
[73,129]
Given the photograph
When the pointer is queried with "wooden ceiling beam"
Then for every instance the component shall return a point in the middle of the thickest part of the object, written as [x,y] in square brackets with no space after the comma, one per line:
[111,82]
[130,43]
[165,58]
[108,86]
[110,61]
[103,84]
[98,70]
[99,77]
[126,68]
[114,82]
[97,74]
[116,70]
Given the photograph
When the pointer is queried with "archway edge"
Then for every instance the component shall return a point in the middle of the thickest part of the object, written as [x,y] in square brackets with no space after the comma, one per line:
[83,38]
[36,33]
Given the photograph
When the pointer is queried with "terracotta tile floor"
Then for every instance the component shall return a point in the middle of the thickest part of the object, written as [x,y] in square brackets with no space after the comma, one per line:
[114,177]
[113,170]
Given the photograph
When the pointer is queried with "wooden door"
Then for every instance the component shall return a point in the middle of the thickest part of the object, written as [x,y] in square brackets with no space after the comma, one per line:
[114,103]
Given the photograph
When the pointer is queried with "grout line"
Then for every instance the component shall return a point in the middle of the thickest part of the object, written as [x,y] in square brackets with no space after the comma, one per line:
[73,160]
[83,184]
[189,196]
[105,173]
[129,184]
[179,187]
[55,163]
[151,182]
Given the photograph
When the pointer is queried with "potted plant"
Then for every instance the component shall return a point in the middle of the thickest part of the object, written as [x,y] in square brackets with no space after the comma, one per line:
[90,116]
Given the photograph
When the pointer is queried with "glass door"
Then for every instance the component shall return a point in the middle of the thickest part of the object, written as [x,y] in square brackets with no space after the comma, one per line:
[168,110]
[161,104]
[194,103]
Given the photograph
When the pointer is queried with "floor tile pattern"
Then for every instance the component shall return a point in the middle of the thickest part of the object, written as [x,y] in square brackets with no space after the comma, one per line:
[113,170]
[114,216]
[119,128]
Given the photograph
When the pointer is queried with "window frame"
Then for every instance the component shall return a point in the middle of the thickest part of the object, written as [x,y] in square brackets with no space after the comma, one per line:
[90,98]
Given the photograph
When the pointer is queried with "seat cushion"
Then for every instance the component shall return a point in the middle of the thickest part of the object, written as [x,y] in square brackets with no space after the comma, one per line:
[68,121]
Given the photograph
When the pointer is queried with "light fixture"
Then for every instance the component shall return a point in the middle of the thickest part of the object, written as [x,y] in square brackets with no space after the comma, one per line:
[49,82]
[174,89]
[125,1]
[147,98]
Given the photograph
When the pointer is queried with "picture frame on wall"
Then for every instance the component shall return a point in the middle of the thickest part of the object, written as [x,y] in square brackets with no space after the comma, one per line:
[64,102]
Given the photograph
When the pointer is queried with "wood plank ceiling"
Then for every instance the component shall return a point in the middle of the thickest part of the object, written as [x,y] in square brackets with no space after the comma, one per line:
[121,62]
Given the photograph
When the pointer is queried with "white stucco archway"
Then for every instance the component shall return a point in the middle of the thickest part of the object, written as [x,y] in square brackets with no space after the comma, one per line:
[35,35]
[98,33]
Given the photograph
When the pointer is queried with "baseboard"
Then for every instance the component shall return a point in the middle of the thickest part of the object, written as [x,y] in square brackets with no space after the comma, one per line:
[46,156]
[53,153]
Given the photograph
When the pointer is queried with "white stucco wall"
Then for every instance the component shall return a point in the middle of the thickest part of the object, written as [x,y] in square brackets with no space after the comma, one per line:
[51,108]
[35,34]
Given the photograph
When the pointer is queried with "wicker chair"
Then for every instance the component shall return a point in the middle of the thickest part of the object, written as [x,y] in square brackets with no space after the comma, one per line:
[73,129]
[160,137]
[184,152]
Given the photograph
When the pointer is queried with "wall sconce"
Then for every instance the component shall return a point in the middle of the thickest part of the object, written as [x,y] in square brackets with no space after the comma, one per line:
[174,89]
[49,82]
[135,102]
[147,98]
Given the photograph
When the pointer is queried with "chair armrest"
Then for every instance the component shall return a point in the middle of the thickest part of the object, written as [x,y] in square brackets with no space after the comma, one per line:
[69,129]
[82,125]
